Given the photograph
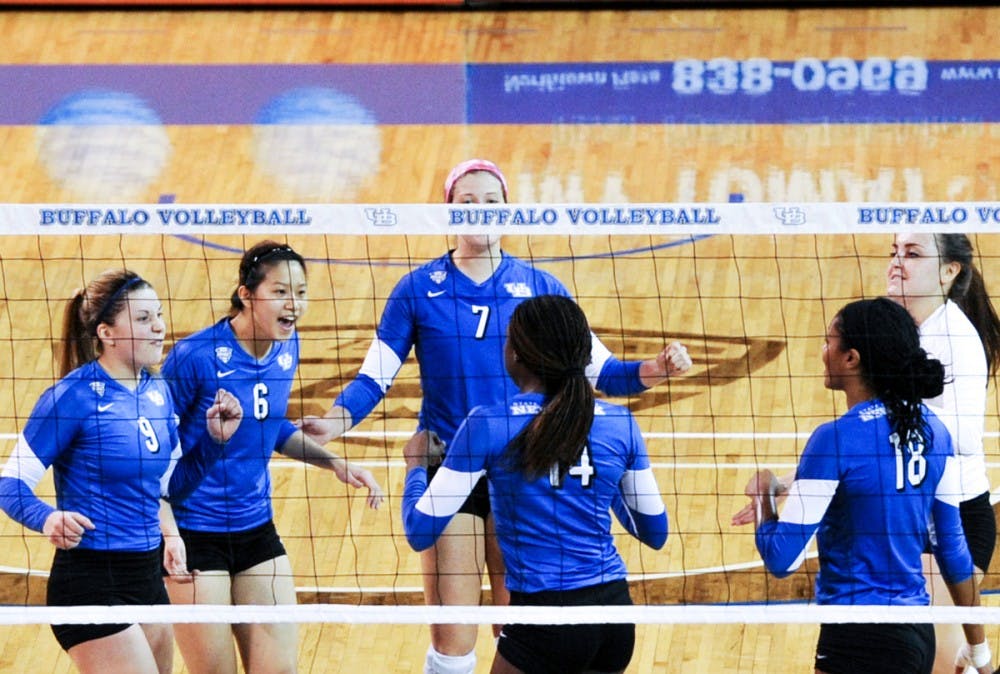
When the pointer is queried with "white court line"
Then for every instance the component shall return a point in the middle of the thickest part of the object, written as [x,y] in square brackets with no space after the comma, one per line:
[282,462]
[632,578]
[395,463]
[412,589]
[750,435]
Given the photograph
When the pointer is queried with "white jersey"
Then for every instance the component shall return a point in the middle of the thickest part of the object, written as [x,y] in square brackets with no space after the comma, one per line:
[949,336]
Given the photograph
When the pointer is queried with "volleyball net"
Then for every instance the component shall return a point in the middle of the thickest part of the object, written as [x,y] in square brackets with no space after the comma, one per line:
[749,288]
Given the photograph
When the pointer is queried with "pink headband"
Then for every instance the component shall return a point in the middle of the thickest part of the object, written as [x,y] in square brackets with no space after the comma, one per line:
[471,166]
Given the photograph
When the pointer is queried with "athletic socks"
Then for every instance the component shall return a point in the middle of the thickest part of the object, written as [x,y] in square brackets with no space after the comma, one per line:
[437,663]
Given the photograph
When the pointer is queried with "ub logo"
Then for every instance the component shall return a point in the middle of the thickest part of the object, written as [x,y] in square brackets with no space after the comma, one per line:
[381,217]
[223,353]
[790,215]
[156,397]
[518,289]
[438,276]
[97,387]
[285,361]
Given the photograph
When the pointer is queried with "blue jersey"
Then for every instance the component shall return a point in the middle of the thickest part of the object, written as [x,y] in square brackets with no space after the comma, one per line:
[112,451]
[458,328]
[555,533]
[873,503]
[236,493]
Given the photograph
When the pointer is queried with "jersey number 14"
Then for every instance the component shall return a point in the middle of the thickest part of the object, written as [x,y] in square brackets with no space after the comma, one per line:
[584,471]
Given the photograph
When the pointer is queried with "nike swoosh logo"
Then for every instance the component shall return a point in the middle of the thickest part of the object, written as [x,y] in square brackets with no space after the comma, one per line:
[104,408]
[431,293]
[222,375]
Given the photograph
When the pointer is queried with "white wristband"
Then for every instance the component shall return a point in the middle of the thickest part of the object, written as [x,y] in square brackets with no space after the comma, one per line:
[976,656]
[980,655]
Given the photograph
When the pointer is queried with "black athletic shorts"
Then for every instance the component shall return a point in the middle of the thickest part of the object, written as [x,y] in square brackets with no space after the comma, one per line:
[563,649]
[886,648]
[103,578]
[980,527]
[478,503]
[234,551]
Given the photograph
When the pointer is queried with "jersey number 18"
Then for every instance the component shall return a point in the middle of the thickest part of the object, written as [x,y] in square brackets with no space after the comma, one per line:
[911,468]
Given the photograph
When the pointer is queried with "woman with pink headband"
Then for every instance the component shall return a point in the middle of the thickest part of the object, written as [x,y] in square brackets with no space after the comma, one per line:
[454,310]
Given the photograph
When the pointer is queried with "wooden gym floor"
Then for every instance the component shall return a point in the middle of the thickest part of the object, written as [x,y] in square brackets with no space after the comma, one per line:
[752,310]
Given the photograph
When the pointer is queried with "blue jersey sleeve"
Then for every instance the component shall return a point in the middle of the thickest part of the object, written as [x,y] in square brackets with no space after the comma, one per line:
[427,509]
[639,507]
[192,462]
[287,430]
[620,378]
[50,430]
[190,468]
[360,397]
[183,379]
[393,341]
[949,543]
[20,503]
[782,542]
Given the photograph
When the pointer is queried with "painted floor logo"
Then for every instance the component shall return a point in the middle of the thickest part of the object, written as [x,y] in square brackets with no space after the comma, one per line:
[719,360]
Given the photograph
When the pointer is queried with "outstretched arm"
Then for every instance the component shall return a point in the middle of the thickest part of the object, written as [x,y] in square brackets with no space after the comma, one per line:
[301,447]
[782,542]
[619,377]
[392,343]
[330,426]
[427,508]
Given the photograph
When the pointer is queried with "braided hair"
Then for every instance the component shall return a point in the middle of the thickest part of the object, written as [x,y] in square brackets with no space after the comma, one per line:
[893,364]
[550,336]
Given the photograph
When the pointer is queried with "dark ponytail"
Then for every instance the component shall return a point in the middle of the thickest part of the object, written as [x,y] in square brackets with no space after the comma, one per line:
[893,364]
[551,337]
[968,291]
[100,302]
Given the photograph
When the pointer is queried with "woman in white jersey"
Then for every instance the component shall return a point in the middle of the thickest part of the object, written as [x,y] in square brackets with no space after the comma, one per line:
[934,277]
